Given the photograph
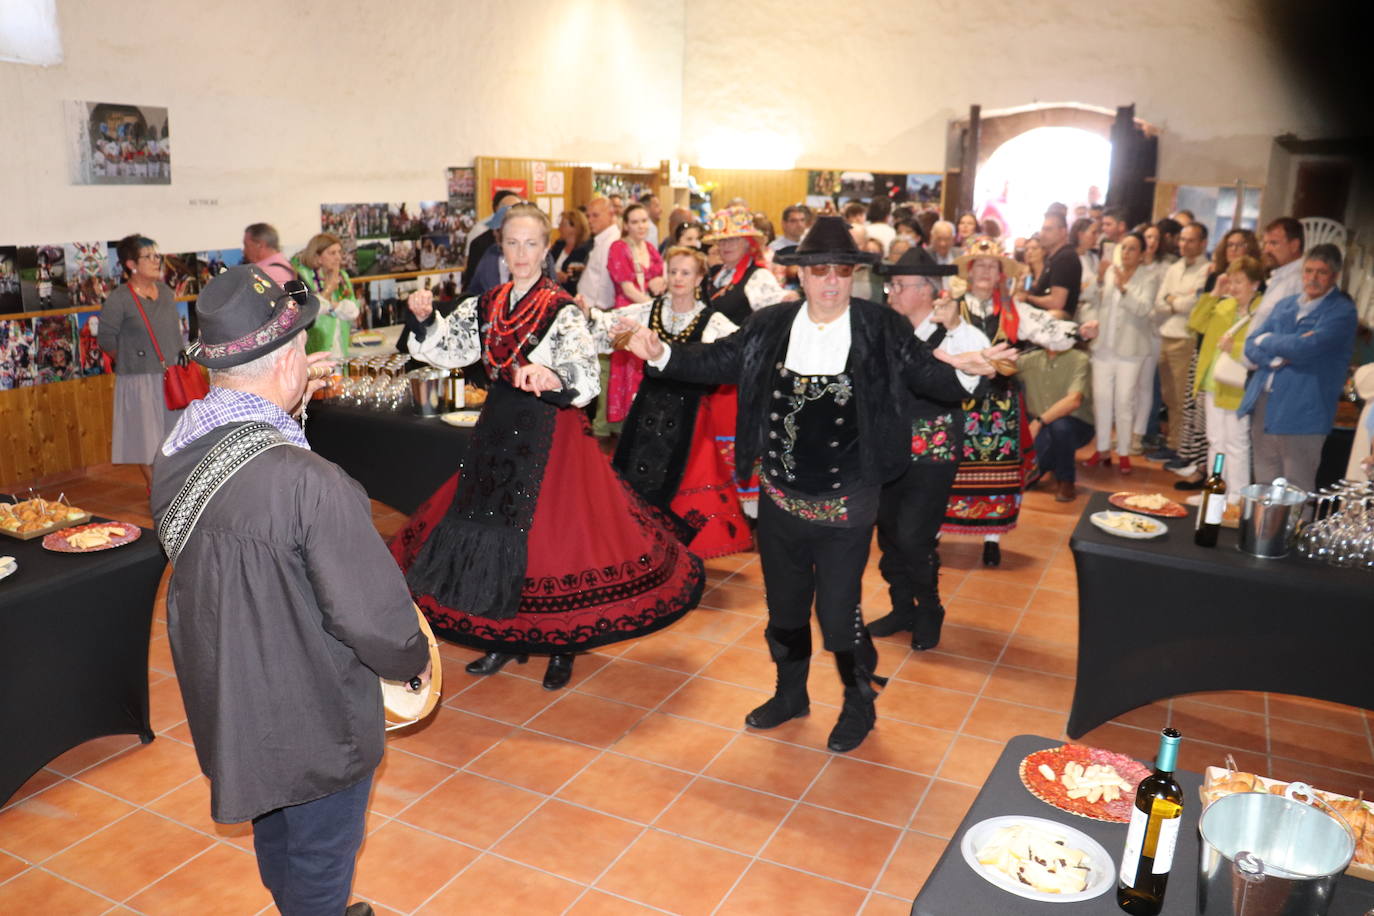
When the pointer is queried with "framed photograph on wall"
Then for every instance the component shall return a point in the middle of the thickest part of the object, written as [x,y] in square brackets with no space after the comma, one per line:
[10,299]
[55,356]
[118,143]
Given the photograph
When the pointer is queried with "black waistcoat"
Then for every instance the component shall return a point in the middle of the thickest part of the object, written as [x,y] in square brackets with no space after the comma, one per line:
[813,433]
[730,300]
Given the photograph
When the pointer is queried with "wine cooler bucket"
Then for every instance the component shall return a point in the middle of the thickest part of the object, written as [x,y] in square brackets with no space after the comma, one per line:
[1269,515]
[427,391]
[1270,855]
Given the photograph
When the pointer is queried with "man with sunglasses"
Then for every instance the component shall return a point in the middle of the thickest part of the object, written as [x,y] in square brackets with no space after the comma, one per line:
[826,390]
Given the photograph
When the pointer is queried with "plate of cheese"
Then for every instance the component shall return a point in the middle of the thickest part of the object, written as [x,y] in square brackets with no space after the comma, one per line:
[89,538]
[1038,859]
[7,566]
[1128,524]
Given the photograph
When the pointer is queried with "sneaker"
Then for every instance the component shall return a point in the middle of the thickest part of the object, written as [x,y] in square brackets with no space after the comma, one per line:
[1137,447]
[1186,470]
[1195,484]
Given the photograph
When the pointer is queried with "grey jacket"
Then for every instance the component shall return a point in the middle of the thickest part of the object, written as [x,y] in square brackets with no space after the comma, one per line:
[284,608]
[124,336]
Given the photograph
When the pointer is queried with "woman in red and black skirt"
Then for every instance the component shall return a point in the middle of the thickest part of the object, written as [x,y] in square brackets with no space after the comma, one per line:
[536,546]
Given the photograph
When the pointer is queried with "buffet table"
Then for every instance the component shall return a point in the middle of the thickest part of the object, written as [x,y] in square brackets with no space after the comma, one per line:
[953,887]
[399,458]
[74,632]
[1161,617]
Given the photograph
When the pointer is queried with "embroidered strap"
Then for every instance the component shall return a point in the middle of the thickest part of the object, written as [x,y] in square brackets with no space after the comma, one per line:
[227,457]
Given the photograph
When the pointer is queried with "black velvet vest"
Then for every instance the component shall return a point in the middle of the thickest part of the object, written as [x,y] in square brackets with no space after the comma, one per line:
[813,434]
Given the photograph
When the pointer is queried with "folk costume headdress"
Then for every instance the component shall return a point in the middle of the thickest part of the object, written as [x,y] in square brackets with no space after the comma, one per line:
[737,223]
[984,247]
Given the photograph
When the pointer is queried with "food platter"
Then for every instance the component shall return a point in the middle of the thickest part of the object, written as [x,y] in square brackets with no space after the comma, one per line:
[1128,524]
[1105,806]
[34,518]
[8,566]
[115,534]
[1156,504]
[1098,864]
[465,418]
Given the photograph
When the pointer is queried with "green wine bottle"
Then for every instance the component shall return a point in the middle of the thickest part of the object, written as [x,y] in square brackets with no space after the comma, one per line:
[1150,840]
[1212,507]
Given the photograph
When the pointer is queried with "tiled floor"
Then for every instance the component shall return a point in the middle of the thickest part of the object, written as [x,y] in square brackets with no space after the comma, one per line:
[637,790]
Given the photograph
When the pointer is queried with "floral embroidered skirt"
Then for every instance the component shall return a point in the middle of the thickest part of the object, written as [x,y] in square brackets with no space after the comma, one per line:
[602,565]
[997,455]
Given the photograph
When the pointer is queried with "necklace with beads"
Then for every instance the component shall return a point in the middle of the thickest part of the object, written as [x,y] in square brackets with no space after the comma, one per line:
[658,327]
[529,314]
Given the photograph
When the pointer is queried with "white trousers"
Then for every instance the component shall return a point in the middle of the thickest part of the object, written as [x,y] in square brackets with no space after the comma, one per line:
[1145,390]
[1116,381]
[1228,434]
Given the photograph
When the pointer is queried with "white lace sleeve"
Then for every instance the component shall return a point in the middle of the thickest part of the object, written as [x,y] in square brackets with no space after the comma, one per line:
[1039,328]
[451,342]
[762,289]
[600,320]
[964,339]
[717,327]
[569,351]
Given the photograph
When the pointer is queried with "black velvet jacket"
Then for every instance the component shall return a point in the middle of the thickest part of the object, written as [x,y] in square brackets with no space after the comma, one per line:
[891,365]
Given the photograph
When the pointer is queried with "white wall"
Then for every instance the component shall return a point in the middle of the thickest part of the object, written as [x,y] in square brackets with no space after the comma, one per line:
[872,83]
[277,106]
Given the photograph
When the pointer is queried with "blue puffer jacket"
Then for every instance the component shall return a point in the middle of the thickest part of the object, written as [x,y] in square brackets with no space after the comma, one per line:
[1317,351]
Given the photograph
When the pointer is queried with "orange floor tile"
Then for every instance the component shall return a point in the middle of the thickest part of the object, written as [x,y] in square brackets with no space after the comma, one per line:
[637,790]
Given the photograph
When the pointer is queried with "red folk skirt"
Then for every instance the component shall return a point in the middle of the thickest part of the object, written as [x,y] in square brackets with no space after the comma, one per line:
[708,494]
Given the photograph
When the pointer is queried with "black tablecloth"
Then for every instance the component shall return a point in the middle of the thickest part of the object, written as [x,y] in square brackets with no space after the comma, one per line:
[399,458]
[953,889]
[74,634]
[1163,616]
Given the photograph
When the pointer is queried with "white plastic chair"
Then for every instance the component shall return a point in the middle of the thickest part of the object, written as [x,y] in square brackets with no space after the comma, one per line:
[1318,230]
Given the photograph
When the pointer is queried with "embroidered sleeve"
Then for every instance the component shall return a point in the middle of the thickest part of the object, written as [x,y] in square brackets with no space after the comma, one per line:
[717,327]
[762,289]
[569,351]
[964,339]
[1039,328]
[452,342]
[599,322]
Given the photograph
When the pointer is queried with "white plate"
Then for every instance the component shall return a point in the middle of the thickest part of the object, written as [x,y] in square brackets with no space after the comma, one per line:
[1156,526]
[1101,876]
[461,417]
[8,566]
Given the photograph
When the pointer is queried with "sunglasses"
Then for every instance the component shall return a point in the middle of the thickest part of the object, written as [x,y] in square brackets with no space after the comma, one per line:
[297,290]
[841,270]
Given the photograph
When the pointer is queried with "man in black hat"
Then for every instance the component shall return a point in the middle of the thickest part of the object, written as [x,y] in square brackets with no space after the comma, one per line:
[284,606]
[825,391]
[912,507]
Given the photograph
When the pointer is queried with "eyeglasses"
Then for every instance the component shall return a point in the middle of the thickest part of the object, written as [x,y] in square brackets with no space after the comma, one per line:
[841,270]
[150,256]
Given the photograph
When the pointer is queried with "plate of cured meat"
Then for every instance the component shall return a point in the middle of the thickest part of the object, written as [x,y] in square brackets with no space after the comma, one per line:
[1149,503]
[1087,781]
[93,537]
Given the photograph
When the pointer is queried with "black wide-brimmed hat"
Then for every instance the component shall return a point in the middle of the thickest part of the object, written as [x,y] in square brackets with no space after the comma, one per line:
[244,314]
[827,242]
[916,262]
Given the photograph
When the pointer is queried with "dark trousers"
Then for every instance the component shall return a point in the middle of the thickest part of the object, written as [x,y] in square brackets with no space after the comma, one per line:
[909,517]
[803,561]
[306,853]
[1056,443]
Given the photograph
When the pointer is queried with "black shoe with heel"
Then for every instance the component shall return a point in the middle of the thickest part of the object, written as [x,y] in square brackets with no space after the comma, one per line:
[559,672]
[493,662]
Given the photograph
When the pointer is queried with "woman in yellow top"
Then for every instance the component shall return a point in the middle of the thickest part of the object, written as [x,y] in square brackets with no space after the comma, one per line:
[1224,317]
[320,266]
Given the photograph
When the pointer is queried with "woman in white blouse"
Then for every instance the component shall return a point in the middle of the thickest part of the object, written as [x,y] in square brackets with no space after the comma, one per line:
[1123,331]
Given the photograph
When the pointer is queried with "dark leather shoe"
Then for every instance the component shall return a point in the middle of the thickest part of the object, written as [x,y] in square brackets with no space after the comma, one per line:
[1189,484]
[1066,492]
[559,672]
[992,554]
[926,634]
[361,908]
[493,662]
[896,622]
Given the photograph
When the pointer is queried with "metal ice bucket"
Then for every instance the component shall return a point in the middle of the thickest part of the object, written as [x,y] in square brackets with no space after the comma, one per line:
[1269,516]
[427,388]
[1270,855]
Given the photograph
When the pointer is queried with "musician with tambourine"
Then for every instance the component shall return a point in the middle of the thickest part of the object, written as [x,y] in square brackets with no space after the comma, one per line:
[284,607]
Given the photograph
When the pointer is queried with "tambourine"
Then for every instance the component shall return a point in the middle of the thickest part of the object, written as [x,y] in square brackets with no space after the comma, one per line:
[404,706]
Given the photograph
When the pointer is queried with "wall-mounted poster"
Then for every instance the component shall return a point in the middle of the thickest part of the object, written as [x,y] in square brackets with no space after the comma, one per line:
[518,185]
[371,256]
[355,221]
[434,217]
[117,143]
[16,353]
[213,263]
[858,185]
[92,359]
[439,251]
[179,271]
[43,278]
[822,183]
[405,256]
[888,184]
[925,188]
[88,273]
[11,300]
[403,221]
[462,188]
[55,358]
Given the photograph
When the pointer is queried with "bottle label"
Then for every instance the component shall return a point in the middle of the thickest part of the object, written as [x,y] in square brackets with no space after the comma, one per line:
[1135,838]
[1164,845]
[1214,509]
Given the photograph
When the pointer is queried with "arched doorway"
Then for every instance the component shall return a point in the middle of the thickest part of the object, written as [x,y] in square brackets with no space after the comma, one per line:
[1026,173]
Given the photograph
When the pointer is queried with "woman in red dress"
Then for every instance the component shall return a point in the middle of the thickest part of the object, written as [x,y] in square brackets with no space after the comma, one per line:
[536,546]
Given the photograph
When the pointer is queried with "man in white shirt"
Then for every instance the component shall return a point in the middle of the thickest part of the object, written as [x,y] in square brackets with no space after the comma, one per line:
[596,288]
[1178,293]
[825,390]
[1283,248]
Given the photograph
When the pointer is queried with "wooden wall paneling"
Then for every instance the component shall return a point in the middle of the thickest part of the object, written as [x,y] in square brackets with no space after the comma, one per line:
[489,167]
[53,428]
[767,192]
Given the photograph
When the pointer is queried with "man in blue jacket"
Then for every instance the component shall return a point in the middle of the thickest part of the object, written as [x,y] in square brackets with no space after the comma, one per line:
[1301,353]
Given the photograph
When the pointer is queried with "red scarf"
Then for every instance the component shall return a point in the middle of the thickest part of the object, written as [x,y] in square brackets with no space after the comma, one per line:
[1007,318]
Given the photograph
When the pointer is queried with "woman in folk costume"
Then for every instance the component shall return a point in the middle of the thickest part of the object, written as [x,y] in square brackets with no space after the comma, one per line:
[742,283]
[997,451]
[677,445]
[536,546]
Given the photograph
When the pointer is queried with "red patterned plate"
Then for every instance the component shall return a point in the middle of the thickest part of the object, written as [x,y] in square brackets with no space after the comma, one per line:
[1171,509]
[57,541]
[1057,794]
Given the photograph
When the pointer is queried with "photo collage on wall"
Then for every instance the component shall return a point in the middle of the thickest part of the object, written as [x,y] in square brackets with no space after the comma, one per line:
[118,143]
[828,191]
[399,237]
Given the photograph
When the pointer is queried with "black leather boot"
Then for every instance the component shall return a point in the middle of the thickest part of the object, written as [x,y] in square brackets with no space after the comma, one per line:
[903,617]
[493,662]
[858,714]
[992,554]
[559,671]
[926,633]
[791,651]
[930,614]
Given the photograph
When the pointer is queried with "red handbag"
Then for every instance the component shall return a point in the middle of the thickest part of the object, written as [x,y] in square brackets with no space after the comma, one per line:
[182,382]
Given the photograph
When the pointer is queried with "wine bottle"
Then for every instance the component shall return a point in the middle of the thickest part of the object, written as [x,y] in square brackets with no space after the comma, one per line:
[1212,507]
[1150,839]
